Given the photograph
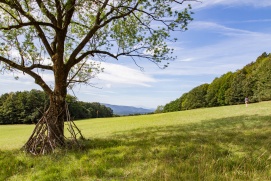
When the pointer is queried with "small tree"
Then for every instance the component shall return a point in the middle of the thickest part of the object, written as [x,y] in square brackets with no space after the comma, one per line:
[60,36]
[159,109]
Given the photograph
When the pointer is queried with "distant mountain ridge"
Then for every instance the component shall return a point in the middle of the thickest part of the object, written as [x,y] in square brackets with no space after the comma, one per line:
[126,110]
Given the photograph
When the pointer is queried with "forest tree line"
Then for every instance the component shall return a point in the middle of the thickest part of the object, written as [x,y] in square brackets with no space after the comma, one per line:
[252,81]
[27,107]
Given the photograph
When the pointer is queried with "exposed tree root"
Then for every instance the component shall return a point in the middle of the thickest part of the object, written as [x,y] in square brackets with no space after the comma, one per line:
[41,142]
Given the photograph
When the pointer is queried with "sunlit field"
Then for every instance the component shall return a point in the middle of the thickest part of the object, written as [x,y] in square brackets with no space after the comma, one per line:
[223,143]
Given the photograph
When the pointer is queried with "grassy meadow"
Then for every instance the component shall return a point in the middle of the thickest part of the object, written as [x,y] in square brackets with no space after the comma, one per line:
[222,143]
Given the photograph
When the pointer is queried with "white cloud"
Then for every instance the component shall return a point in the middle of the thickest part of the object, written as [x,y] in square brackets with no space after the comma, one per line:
[8,82]
[186,59]
[209,3]
[108,85]
[119,74]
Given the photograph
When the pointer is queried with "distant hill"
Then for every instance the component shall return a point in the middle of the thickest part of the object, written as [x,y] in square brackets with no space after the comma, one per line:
[126,110]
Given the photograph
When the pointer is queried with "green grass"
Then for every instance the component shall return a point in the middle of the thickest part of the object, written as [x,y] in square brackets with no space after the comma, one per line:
[224,143]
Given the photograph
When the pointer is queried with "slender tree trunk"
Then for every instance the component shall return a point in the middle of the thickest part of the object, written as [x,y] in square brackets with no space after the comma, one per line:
[57,110]
[56,116]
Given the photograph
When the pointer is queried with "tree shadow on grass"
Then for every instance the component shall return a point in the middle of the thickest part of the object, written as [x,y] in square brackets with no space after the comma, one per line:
[226,130]
[235,147]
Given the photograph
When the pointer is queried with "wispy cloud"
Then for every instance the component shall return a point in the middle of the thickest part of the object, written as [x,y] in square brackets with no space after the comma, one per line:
[210,3]
[218,28]
[120,74]
[232,49]
[254,21]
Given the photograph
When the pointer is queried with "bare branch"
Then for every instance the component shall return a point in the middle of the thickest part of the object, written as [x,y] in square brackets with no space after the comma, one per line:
[76,73]
[140,67]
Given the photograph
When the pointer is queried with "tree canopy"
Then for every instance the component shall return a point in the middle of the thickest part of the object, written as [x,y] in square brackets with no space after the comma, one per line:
[61,35]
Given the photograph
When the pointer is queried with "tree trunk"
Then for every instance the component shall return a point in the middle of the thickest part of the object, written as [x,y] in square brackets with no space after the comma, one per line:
[49,131]
[56,116]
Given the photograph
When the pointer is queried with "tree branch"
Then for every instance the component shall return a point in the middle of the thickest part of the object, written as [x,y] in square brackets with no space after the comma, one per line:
[132,9]
[46,67]
[72,61]
[76,73]
[92,52]
[10,14]
[46,12]
[38,79]
[59,12]
[181,2]
[20,50]
[20,25]
[100,11]
[15,5]
[69,12]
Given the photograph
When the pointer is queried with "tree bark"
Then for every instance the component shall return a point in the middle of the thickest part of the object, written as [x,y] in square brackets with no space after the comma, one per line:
[57,109]
[56,116]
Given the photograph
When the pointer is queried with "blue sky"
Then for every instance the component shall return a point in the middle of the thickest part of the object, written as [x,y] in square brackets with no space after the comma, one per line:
[224,36]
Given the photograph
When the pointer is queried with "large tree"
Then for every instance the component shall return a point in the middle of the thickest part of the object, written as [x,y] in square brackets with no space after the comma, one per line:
[61,36]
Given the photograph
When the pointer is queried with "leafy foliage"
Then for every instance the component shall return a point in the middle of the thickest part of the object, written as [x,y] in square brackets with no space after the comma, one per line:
[196,98]
[48,35]
[172,106]
[22,107]
[252,81]
[27,107]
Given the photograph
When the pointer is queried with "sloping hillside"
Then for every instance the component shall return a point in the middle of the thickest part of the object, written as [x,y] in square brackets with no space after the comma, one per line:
[252,81]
